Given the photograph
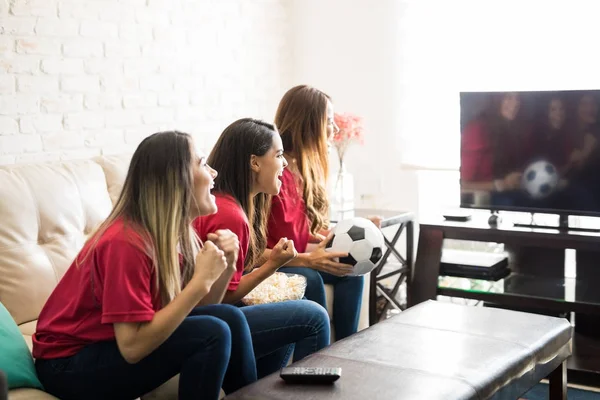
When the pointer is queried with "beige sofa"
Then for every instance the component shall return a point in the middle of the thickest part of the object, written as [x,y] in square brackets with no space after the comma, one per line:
[47,210]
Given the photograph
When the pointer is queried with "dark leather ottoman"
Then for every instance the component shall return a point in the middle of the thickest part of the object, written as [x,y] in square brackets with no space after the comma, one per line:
[438,351]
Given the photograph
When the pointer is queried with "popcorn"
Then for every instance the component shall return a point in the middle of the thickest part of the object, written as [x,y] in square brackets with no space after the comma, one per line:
[276,288]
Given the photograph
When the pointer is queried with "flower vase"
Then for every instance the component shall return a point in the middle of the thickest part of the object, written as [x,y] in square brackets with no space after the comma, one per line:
[343,191]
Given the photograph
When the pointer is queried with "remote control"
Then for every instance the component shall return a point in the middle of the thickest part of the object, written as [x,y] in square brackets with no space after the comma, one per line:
[310,375]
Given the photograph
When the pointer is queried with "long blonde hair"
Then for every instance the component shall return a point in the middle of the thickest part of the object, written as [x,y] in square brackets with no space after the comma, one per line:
[156,201]
[302,121]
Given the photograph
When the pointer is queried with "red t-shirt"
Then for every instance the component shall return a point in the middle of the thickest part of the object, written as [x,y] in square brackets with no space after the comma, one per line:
[288,215]
[230,215]
[554,146]
[116,282]
[477,155]
[481,162]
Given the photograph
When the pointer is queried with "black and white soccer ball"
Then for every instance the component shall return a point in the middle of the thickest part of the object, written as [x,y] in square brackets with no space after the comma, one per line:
[363,242]
[540,179]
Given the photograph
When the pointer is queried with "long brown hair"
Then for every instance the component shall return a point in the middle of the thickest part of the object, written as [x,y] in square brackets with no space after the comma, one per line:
[302,121]
[156,201]
[504,133]
[231,157]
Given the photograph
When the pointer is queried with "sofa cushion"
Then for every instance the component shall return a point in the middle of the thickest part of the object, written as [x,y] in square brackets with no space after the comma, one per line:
[29,394]
[115,168]
[47,212]
[28,329]
[16,360]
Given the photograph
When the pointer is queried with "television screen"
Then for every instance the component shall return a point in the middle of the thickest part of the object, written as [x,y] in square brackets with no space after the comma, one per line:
[531,151]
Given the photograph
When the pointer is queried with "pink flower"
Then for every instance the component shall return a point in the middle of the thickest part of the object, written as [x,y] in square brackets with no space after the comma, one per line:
[350,130]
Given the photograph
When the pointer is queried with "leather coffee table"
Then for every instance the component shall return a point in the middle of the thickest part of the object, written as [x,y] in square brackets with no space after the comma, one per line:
[437,351]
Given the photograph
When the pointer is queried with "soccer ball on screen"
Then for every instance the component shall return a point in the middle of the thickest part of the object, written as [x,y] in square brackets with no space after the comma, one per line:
[540,179]
[363,242]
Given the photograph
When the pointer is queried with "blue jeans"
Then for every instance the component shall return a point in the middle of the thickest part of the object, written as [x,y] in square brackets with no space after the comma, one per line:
[278,328]
[510,198]
[210,349]
[347,297]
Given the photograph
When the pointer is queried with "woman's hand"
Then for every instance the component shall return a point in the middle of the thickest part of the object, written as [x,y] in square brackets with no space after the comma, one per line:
[137,340]
[229,243]
[210,264]
[576,159]
[376,219]
[562,184]
[283,252]
[316,238]
[322,260]
[512,181]
[319,236]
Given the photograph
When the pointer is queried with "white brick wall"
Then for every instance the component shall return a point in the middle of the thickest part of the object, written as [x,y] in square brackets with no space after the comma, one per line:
[83,77]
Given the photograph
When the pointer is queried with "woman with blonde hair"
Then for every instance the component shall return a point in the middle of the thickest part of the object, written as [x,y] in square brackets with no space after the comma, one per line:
[300,211]
[124,318]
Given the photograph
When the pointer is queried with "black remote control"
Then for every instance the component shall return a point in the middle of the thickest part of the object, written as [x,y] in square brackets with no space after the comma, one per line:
[310,376]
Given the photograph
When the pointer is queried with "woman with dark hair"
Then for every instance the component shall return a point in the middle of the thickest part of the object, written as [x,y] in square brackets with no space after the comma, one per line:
[556,143]
[584,133]
[584,159]
[495,149]
[301,209]
[553,141]
[249,157]
[124,318]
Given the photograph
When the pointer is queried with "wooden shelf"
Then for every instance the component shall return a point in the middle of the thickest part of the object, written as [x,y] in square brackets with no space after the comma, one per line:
[554,294]
[586,354]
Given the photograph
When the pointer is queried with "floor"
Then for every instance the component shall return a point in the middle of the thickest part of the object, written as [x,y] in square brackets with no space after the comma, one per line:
[540,392]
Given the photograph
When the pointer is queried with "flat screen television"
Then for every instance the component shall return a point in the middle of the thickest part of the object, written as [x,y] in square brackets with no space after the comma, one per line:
[531,151]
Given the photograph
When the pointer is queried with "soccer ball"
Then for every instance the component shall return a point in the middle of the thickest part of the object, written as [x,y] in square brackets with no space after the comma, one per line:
[363,242]
[540,179]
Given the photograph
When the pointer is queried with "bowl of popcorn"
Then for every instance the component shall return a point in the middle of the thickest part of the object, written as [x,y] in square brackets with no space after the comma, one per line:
[277,288]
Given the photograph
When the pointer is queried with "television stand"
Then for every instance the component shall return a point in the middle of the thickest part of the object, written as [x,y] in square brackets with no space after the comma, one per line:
[563,225]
